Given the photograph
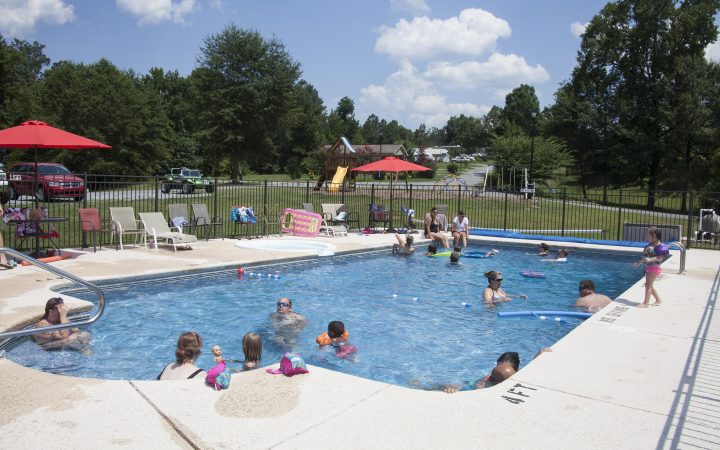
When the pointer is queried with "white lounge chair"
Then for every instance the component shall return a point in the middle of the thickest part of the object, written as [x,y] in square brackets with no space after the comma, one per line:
[125,224]
[157,229]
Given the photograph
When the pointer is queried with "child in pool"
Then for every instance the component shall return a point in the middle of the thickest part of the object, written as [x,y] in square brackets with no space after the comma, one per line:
[403,247]
[252,349]
[337,336]
[217,353]
[543,249]
[561,256]
[431,250]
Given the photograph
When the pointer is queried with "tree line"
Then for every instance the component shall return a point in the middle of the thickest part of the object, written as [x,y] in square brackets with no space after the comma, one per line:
[640,109]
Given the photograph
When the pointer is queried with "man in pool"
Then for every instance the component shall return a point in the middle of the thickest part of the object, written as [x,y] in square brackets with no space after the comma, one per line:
[286,325]
[589,299]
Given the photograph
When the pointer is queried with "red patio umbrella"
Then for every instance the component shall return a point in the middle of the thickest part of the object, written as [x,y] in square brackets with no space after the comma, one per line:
[391,164]
[35,134]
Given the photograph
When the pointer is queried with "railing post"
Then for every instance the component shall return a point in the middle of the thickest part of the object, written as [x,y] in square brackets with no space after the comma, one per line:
[690,219]
[458,198]
[307,191]
[157,193]
[619,221]
[505,213]
[562,225]
[410,200]
[215,209]
[85,205]
[265,198]
[372,193]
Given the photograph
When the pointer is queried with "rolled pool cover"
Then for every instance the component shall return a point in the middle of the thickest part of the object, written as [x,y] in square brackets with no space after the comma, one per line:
[580,315]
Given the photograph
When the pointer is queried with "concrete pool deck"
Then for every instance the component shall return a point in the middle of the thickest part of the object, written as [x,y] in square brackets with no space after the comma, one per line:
[626,378]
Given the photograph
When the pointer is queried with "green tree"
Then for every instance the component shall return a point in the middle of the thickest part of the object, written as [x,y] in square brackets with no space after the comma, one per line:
[550,158]
[342,122]
[113,106]
[21,65]
[468,132]
[244,89]
[371,130]
[634,67]
[520,104]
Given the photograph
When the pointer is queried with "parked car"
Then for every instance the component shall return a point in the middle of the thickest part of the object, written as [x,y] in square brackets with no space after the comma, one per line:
[462,159]
[3,180]
[186,180]
[53,181]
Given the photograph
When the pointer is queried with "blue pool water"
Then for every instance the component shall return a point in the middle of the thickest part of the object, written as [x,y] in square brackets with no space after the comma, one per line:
[421,337]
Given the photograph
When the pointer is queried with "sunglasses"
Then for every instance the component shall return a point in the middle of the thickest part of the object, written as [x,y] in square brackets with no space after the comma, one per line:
[499,280]
[284,305]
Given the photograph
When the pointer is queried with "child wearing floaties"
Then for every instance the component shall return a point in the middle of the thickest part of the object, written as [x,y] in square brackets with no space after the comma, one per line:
[337,336]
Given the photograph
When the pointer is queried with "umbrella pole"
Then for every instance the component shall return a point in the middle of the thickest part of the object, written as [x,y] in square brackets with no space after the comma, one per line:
[35,180]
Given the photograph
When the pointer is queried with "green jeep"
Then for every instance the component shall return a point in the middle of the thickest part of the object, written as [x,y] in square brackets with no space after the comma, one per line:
[186,180]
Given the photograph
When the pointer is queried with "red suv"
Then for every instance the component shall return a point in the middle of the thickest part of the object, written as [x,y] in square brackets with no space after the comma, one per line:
[53,181]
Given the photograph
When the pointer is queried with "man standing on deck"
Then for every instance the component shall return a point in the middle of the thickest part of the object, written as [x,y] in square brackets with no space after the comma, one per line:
[591,301]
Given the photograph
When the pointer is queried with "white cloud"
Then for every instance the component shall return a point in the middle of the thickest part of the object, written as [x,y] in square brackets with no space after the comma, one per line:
[410,98]
[472,32]
[578,29]
[19,17]
[156,11]
[712,51]
[414,7]
[499,70]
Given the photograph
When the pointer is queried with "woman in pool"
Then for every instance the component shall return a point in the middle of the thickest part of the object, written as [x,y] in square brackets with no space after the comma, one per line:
[654,254]
[494,293]
[56,313]
[188,349]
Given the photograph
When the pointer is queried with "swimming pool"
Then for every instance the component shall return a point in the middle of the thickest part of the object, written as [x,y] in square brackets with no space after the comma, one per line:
[405,315]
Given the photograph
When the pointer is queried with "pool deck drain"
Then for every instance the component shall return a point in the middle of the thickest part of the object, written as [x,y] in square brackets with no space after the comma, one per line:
[626,378]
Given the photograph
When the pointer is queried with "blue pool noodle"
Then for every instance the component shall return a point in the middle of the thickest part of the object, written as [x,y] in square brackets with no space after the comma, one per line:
[580,315]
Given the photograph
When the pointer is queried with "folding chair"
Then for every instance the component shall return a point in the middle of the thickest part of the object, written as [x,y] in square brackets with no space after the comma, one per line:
[92,226]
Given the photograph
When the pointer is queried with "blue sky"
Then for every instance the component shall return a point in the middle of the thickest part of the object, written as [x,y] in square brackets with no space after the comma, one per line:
[416,61]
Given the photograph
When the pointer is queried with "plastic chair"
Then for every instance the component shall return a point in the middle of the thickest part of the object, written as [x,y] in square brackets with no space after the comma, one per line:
[92,226]
[125,224]
[179,217]
[202,219]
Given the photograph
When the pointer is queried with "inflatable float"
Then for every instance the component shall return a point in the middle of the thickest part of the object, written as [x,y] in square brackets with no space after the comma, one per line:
[532,274]
[48,259]
[539,314]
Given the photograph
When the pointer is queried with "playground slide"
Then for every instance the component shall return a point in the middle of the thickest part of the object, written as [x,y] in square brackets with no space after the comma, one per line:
[337,180]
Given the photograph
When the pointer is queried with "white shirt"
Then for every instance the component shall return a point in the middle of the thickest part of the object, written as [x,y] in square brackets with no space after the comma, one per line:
[461,226]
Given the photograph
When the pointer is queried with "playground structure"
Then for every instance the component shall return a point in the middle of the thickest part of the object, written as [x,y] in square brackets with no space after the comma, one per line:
[337,165]
[451,183]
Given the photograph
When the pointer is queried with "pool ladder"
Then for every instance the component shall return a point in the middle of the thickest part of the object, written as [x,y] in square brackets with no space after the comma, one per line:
[61,273]
[683,254]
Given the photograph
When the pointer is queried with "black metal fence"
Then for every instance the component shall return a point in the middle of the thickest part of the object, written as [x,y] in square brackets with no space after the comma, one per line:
[561,212]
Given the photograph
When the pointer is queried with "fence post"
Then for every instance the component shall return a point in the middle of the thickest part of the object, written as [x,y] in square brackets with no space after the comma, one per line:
[458,197]
[619,223]
[690,219]
[505,212]
[215,210]
[157,193]
[562,225]
[342,191]
[372,193]
[410,200]
[307,191]
[265,197]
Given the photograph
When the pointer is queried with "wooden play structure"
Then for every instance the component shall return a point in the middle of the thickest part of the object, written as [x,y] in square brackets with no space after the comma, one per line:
[341,158]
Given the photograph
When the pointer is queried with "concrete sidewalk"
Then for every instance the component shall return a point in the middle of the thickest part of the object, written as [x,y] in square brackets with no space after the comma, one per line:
[626,378]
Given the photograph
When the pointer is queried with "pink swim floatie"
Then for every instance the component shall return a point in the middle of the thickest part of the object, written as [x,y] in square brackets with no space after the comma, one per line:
[532,274]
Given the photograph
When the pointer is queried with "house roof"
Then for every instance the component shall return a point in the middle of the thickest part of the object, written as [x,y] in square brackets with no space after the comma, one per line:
[378,149]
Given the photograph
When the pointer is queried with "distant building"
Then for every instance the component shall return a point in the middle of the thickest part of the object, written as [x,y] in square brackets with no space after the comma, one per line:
[376,149]
[436,153]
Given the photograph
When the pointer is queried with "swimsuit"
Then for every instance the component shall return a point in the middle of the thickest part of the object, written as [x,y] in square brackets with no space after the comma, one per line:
[192,375]
[659,250]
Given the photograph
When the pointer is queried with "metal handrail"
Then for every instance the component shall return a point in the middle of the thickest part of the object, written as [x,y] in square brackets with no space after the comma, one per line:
[63,274]
[683,253]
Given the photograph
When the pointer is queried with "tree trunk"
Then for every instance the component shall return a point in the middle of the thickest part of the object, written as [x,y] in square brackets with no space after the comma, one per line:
[235,167]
